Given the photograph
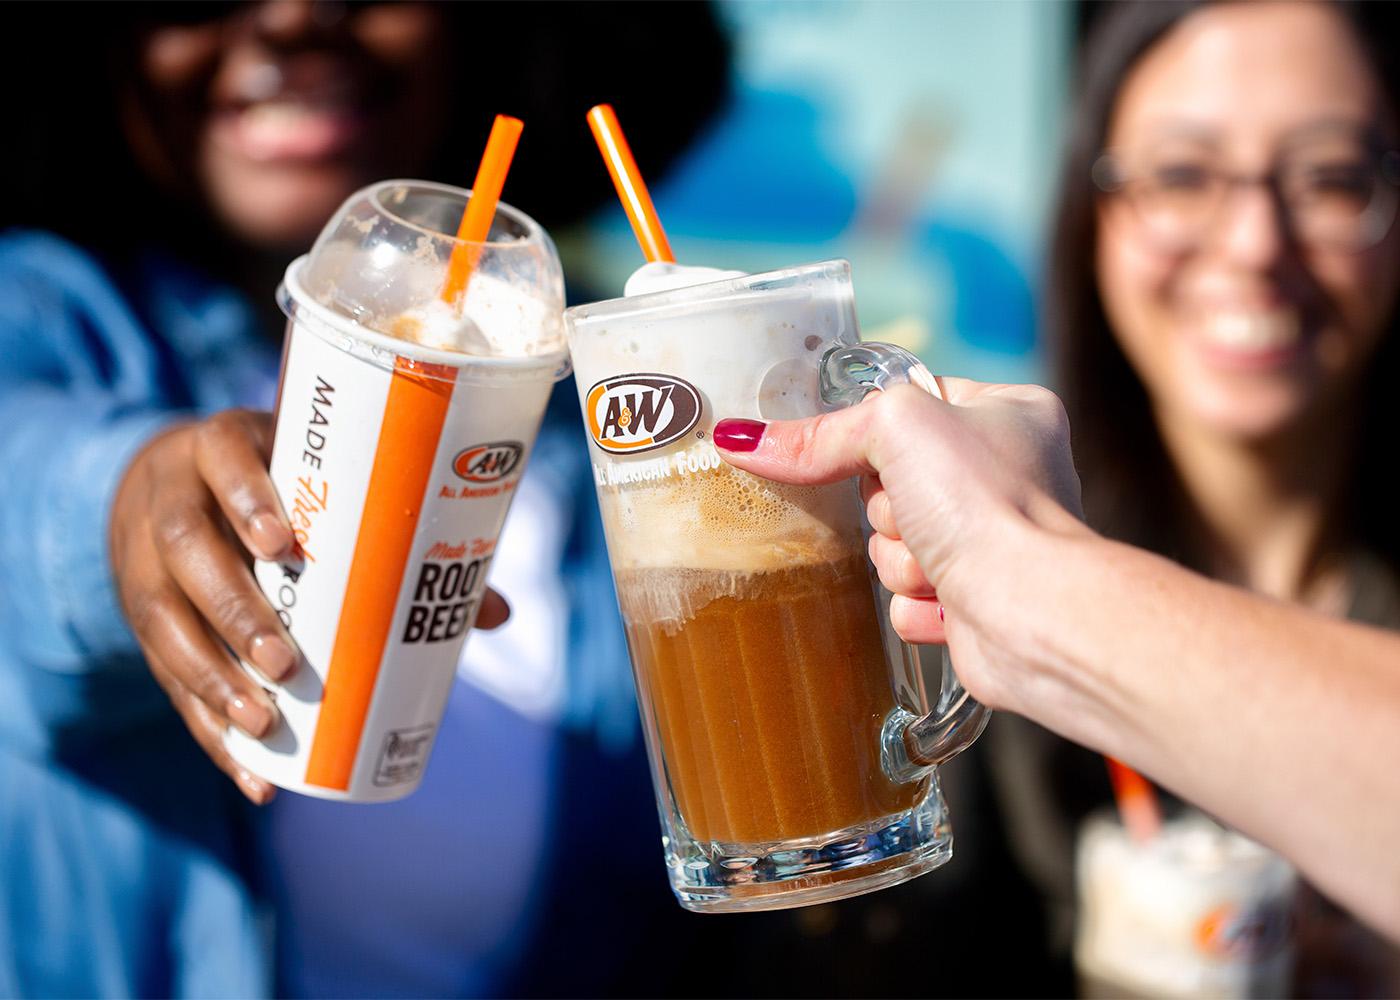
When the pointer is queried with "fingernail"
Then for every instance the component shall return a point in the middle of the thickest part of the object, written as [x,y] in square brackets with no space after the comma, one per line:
[254,716]
[270,535]
[272,656]
[734,434]
[940,612]
[260,791]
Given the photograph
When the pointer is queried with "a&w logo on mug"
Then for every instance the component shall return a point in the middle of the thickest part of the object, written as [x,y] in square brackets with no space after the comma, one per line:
[634,413]
[486,463]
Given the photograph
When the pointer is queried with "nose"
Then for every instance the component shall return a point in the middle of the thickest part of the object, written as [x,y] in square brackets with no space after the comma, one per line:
[1253,231]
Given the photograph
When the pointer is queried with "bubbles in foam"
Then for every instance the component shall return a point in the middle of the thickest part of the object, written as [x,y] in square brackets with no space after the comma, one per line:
[669,598]
[681,542]
[729,520]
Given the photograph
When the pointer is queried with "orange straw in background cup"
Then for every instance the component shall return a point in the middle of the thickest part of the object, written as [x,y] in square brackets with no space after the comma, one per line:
[628,181]
[481,206]
[1137,801]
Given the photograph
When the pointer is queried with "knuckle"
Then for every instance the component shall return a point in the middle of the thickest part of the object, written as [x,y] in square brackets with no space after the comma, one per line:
[1046,404]
[180,527]
[148,609]
[203,725]
[235,614]
[809,433]
[910,575]
[207,682]
[164,679]
[212,430]
[891,410]
[227,429]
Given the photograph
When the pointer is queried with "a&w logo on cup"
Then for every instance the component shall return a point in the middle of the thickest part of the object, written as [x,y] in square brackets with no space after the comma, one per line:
[486,463]
[628,414]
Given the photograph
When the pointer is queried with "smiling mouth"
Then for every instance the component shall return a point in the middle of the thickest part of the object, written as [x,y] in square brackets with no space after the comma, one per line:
[1251,337]
[269,122]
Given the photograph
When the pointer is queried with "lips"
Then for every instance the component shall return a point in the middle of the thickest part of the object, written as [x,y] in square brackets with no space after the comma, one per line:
[1250,338]
[305,112]
[288,130]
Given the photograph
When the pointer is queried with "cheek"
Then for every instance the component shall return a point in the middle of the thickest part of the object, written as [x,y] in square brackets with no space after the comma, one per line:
[1134,286]
[1361,290]
[174,59]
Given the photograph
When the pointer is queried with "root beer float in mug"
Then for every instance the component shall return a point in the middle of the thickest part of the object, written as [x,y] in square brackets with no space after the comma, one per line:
[783,717]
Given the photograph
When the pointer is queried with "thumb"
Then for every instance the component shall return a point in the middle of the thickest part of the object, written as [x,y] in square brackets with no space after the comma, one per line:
[822,449]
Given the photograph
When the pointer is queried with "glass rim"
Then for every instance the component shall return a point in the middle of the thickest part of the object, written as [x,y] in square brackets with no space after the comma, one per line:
[374,193]
[705,291]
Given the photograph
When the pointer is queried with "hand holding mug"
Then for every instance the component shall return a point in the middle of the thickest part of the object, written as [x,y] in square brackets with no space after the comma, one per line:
[947,485]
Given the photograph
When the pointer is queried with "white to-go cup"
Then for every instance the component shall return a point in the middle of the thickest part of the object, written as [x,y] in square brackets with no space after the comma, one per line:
[403,425]
[1198,911]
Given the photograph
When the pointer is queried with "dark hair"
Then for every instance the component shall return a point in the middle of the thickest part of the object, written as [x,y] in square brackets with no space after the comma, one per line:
[1131,490]
[67,166]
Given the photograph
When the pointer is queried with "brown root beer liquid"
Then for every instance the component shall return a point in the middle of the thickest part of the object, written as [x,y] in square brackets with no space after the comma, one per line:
[758,654]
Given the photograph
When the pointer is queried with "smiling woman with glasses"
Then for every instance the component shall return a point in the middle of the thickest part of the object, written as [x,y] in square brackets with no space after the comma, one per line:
[1222,311]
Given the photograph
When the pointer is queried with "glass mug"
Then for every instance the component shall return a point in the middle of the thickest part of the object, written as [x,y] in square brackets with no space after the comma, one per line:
[793,744]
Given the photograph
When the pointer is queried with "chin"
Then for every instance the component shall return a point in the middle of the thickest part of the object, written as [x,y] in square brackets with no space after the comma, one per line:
[280,207]
[1253,415]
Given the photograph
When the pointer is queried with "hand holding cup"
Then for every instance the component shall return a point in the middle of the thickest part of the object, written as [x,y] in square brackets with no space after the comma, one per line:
[192,511]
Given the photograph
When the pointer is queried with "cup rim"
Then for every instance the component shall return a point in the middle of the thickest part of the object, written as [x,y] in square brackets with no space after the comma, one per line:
[706,291]
[292,294]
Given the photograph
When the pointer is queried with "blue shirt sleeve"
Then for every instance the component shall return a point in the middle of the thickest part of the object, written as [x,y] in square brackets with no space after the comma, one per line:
[67,455]
[81,391]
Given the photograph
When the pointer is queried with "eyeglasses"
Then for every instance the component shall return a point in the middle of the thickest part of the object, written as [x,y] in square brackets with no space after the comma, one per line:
[1333,192]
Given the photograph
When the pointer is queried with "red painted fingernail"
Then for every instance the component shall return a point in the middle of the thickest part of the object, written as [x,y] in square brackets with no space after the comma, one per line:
[734,434]
[940,612]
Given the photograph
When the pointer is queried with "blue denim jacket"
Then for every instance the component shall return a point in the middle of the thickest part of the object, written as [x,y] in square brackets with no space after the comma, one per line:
[122,869]
[127,862]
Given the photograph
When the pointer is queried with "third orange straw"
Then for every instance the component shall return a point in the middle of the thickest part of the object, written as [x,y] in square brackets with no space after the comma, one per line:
[1137,801]
[628,181]
[481,207]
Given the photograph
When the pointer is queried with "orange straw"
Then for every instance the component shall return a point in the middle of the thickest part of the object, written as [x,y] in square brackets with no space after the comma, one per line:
[628,181]
[1137,801]
[481,206]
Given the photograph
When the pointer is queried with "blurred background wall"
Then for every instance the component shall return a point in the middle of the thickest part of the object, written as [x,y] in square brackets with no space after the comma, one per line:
[917,139]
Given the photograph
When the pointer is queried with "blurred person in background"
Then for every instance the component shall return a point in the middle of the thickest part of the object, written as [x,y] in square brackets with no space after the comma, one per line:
[164,163]
[1222,307]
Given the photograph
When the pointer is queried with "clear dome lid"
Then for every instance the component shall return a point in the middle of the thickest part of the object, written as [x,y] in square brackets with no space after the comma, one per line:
[380,264]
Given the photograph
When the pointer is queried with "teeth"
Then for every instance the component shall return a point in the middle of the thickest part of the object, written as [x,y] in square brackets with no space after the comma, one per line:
[1252,331]
[287,112]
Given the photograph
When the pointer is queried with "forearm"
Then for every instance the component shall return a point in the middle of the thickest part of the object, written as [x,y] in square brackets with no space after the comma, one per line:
[1282,722]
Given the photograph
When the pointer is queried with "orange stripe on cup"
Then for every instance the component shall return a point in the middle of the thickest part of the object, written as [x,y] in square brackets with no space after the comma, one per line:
[419,395]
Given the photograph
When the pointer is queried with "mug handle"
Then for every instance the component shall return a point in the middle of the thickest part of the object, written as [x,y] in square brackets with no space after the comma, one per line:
[911,744]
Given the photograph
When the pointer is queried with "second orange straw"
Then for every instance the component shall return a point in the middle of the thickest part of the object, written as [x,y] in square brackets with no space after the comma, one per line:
[628,181]
[481,206]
